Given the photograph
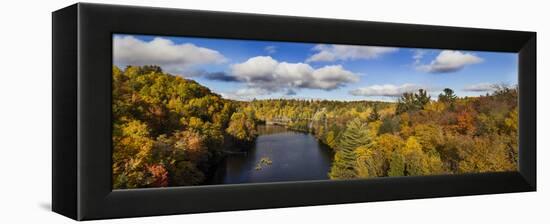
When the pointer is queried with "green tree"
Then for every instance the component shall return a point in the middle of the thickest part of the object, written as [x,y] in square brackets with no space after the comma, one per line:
[412,101]
[406,102]
[448,96]
[397,165]
[355,135]
[374,115]
[390,125]
[422,98]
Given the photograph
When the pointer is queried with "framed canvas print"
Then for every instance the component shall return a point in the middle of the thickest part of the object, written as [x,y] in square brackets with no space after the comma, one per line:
[167,111]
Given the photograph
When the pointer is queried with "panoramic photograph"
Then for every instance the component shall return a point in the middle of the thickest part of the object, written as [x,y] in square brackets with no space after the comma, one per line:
[203,111]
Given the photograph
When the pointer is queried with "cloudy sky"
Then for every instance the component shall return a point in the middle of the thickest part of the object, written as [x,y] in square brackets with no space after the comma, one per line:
[244,69]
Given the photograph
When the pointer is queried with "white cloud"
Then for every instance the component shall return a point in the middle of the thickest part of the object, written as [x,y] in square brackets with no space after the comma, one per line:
[450,61]
[480,87]
[258,68]
[331,77]
[250,92]
[271,49]
[172,57]
[245,94]
[266,73]
[387,90]
[418,55]
[328,53]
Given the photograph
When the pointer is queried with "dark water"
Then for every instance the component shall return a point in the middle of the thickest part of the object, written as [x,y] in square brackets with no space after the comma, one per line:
[287,156]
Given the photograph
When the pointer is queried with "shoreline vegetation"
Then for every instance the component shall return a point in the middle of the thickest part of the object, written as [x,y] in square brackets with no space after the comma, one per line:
[171,131]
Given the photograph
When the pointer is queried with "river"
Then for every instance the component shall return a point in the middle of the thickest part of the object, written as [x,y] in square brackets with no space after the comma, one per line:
[278,155]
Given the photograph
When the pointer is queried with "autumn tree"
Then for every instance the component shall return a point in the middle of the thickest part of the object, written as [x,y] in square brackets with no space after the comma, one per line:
[131,154]
[370,162]
[430,136]
[159,175]
[167,130]
[242,127]
[485,154]
[465,122]
[512,137]
[388,144]
[331,139]
[418,162]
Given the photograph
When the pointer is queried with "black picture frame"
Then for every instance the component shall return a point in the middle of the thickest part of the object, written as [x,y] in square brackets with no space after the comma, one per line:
[82,64]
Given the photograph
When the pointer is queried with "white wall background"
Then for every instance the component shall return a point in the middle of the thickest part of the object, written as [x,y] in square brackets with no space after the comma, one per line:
[25,112]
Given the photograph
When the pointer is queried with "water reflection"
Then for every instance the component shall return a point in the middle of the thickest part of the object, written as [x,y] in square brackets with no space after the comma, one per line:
[279,154]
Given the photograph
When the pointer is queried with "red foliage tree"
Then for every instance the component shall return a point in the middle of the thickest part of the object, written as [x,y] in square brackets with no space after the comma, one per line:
[159,175]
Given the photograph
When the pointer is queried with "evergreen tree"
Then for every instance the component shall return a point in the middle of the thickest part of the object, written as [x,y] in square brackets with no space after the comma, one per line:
[448,96]
[405,103]
[412,101]
[374,115]
[355,135]
[421,98]
[389,125]
[397,165]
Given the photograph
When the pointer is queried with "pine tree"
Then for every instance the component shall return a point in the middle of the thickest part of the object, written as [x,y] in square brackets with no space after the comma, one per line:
[422,98]
[412,101]
[448,96]
[397,165]
[374,115]
[355,135]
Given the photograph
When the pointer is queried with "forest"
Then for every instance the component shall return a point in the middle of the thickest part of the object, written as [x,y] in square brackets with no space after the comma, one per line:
[171,131]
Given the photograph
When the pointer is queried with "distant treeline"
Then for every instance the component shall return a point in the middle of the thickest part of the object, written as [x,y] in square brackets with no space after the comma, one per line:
[417,135]
[170,131]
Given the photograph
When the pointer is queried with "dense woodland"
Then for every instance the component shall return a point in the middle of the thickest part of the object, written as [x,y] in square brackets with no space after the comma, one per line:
[170,131]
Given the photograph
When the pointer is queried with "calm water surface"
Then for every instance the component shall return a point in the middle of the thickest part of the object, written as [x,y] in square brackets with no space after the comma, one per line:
[278,154]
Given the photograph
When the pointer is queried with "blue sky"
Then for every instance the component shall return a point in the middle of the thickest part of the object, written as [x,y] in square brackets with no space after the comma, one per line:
[246,69]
